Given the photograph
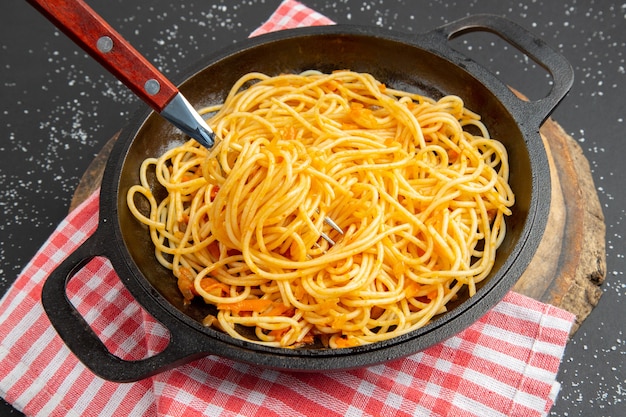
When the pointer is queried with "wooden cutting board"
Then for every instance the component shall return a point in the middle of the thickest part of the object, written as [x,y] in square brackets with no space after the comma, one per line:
[570,263]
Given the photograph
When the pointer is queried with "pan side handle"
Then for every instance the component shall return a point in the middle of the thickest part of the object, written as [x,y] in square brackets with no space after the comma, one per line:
[85,343]
[552,61]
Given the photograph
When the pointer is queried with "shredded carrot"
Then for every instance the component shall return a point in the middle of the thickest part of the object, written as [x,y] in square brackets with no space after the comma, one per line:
[214,287]
[345,341]
[214,250]
[186,273]
[289,133]
[389,141]
[338,322]
[330,86]
[376,312]
[185,284]
[349,126]
[308,339]
[452,156]
[432,295]
[279,309]
[362,116]
[257,304]
[214,192]
[278,333]
[412,289]
[399,268]
[299,292]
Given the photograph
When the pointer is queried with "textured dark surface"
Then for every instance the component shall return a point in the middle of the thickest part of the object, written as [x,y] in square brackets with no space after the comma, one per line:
[59,108]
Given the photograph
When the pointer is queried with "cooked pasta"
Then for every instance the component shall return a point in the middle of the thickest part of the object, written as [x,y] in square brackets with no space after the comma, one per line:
[418,187]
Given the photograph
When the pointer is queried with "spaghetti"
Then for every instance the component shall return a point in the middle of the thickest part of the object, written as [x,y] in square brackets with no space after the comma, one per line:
[417,185]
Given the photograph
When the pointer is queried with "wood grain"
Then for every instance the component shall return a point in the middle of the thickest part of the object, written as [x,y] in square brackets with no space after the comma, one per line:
[570,264]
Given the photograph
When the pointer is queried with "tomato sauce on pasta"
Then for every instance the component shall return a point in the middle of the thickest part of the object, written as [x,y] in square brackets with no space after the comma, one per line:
[417,185]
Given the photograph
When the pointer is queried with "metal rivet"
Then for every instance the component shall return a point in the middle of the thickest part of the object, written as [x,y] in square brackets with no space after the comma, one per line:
[152,86]
[104,44]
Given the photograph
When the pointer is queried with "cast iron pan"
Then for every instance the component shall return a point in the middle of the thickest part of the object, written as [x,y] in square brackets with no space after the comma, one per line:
[423,63]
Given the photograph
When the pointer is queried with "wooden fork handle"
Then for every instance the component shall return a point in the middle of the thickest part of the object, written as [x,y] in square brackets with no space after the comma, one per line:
[90,31]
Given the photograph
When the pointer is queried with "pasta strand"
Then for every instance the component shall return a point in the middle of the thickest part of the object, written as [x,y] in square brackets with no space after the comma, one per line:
[418,186]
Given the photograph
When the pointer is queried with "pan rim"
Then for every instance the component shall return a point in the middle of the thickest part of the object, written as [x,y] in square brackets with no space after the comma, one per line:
[490,294]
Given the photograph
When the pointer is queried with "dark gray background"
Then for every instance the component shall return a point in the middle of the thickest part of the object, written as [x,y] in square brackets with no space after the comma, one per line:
[59,108]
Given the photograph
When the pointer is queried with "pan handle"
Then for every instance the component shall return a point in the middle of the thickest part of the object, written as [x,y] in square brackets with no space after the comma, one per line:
[83,341]
[552,61]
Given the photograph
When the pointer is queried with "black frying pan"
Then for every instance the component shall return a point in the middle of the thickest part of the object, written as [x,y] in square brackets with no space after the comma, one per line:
[423,63]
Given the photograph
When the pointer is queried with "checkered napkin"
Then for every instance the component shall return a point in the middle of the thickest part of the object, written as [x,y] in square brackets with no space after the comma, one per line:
[503,365]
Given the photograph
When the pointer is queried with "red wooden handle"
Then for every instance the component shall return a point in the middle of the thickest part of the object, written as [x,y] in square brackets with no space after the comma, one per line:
[88,30]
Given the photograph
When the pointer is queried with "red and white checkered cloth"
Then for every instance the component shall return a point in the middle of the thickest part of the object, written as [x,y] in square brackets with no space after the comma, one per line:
[503,365]
[291,14]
